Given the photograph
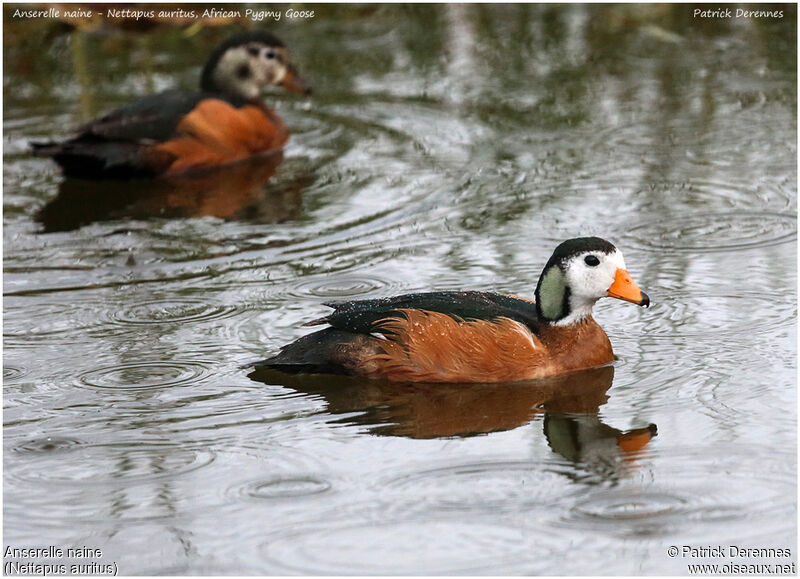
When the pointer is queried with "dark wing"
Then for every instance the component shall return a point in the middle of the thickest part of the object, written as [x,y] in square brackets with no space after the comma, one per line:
[360,316]
[152,118]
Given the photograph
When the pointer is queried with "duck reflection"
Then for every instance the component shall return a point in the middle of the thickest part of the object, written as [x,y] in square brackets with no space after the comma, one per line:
[240,190]
[598,451]
[569,404]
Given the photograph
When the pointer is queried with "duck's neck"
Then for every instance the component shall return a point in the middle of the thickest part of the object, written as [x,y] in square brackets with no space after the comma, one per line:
[207,82]
[575,313]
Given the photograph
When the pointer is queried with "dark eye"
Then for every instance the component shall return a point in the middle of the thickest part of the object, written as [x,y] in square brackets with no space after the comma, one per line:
[591,260]
[269,54]
[252,50]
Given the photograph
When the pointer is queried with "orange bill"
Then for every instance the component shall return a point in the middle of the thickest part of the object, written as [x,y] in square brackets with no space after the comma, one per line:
[293,82]
[624,288]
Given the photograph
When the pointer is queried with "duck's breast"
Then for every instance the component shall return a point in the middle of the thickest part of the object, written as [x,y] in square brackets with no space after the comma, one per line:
[216,132]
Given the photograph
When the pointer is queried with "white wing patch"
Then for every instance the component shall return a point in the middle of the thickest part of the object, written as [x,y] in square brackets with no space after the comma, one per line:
[524,332]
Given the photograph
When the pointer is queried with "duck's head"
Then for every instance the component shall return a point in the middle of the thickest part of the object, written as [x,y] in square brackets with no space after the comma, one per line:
[580,272]
[247,63]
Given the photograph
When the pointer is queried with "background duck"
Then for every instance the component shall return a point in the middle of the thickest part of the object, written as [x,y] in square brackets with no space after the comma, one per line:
[174,131]
[475,336]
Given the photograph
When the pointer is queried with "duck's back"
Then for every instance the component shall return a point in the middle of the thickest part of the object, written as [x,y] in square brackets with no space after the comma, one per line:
[361,315]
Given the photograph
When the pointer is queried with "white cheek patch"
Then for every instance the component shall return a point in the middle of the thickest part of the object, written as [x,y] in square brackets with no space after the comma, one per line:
[230,61]
[588,284]
[226,74]
[587,281]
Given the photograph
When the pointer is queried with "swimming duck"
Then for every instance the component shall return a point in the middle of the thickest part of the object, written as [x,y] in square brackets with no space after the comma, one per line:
[474,336]
[174,131]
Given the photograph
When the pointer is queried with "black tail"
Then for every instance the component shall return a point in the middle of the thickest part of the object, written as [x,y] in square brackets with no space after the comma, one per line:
[328,351]
[96,159]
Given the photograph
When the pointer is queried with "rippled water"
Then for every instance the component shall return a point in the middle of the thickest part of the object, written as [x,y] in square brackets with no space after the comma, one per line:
[447,147]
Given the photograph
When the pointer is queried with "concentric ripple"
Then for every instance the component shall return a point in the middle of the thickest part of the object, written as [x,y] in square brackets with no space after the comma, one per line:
[105,464]
[145,375]
[286,487]
[648,511]
[682,500]
[48,444]
[167,311]
[711,313]
[709,232]
[155,481]
[13,373]
[338,286]
[32,323]
[777,194]
[404,548]
[488,486]
[616,505]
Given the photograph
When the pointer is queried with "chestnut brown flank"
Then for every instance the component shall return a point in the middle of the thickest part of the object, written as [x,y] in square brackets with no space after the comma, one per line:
[428,346]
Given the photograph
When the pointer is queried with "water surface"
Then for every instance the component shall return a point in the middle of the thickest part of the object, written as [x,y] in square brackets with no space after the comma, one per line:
[446,147]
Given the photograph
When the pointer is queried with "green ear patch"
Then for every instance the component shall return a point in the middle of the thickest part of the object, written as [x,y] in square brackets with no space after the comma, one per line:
[551,293]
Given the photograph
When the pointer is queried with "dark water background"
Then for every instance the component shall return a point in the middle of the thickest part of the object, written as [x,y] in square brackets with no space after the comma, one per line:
[446,147]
